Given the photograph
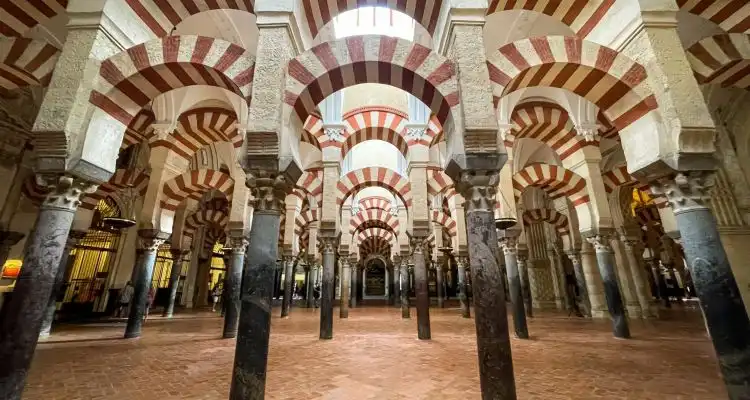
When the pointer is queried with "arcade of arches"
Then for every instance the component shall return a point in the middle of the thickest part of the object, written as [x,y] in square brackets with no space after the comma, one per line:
[487,159]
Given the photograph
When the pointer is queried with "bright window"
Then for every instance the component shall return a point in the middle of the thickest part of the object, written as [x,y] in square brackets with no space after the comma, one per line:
[374,21]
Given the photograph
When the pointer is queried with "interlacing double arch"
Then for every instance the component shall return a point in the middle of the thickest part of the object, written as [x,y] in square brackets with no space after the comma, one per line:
[374,177]
[581,17]
[194,184]
[162,16]
[556,219]
[722,60]
[556,181]
[373,218]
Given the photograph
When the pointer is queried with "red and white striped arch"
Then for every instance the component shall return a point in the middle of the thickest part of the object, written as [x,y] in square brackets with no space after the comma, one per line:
[129,80]
[194,184]
[368,233]
[554,180]
[311,181]
[445,220]
[558,220]
[375,202]
[375,123]
[26,62]
[549,124]
[374,245]
[373,217]
[332,66]
[213,235]
[374,177]
[121,179]
[304,219]
[722,60]
[438,181]
[161,16]
[213,218]
[139,129]
[581,16]
[611,80]
[319,13]
[199,128]
[18,16]
[731,15]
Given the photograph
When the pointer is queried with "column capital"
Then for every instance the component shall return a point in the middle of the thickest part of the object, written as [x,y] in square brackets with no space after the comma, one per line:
[151,239]
[328,244]
[478,187]
[269,190]
[417,244]
[685,191]
[509,245]
[238,244]
[65,191]
[600,242]
[574,256]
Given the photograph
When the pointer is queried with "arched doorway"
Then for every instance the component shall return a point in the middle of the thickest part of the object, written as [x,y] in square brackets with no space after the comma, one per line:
[374,278]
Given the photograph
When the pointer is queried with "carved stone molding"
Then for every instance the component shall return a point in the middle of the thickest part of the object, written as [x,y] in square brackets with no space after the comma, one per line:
[417,244]
[600,243]
[328,244]
[65,191]
[686,191]
[335,134]
[479,189]
[269,191]
[415,133]
[238,244]
[509,246]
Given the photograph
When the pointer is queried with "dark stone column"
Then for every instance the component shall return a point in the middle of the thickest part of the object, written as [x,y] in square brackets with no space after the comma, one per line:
[309,285]
[286,303]
[49,315]
[462,295]
[490,314]
[151,240]
[421,288]
[396,280]
[251,351]
[174,281]
[606,261]
[720,299]
[439,282]
[575,259]
[354,284]
[328,290]
[523,273]
[405,311]
[233,283]
[20,328]
[346,276]
[514,287]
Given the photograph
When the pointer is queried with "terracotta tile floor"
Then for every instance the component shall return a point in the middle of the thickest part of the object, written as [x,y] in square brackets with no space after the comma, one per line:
[375,355]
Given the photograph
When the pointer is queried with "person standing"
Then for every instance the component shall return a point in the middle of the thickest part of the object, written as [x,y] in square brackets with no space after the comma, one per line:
[316,295]
[149,302]
[215,296]
[126,295]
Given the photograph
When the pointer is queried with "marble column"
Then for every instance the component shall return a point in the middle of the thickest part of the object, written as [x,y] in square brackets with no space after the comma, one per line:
[49,316]
[238,245]
[594,284]
[625,279]
[353,300]
[606,261]
[558,278]
[523,273]
[463,297]
[396,280]
[575,259]
[514,287]
[422,289]
[253,333]
[286,303]
[151,240]
[346,276]
[309,285]
[717,289]
[490,314]
[405,311]
[641,287]
[19,330]
[174,281]
[439,279]
[327,287]
[204,271]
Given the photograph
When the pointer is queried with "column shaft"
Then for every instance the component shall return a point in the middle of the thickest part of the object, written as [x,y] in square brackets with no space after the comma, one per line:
[575,259]
[462,295]
[641,288]
[405,311]
[286,303]
[309,286]
[422,290]
[397,282]
[439,283]
[523,273]
[251,351]
[174,281]
[20,328]
[593,280]
[142,286]
[49,315]
[605,259]
[327,289]
[345,287]
[514,289]
[233,286]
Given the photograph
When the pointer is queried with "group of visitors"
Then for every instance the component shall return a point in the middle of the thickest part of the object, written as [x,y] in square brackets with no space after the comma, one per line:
[126,297]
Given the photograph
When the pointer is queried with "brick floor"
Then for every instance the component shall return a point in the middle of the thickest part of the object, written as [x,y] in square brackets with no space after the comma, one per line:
[375,355]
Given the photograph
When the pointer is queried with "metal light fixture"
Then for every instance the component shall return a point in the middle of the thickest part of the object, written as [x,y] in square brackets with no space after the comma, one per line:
[504,223]
[118,223]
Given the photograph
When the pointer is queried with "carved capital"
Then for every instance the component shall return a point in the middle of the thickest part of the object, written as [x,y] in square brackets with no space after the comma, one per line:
[600,243]
[269,190]
[65,191]
[462,262]
[686,191]
[334,133]
[589,132]
[479,189]
[509,246]
[238,244]
[151,243]
[328,244]
[417,244]
[574,256]
[414,133]
[396,259]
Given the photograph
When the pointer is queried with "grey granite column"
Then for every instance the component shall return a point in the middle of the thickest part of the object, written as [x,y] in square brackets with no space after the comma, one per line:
[439,281]
[405,310]
[346,276]
[558,277]
[353,299]
[251,351]
[632,245]
[463,297]
[309,284]
[19,330]
[49,315]
[174,281]
[151,240]
[327,287]
[490,313]
[575,259]
[286,303]
[514,287]
[606,261]
[238,244]
[397,279]
[523,274]
[421,288]
[717,289]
